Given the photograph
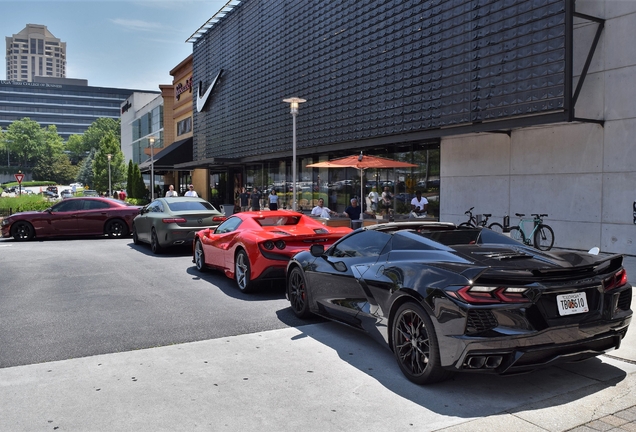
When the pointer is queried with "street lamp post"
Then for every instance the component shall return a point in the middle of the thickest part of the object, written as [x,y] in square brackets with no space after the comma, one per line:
[110,191]
[294,102]
[151,142]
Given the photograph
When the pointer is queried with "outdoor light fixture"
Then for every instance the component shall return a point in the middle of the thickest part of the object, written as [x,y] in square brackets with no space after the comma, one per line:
[151,143]
[294,102]
[110,192]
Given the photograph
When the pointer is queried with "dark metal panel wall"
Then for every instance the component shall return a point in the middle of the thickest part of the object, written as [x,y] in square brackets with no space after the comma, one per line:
[371,69]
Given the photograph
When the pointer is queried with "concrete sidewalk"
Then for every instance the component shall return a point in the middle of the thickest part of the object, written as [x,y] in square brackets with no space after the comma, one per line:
[321,377]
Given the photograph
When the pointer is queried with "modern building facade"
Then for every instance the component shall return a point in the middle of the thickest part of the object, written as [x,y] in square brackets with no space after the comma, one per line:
[70,105]
[167,119]
[35,52]
[516,106]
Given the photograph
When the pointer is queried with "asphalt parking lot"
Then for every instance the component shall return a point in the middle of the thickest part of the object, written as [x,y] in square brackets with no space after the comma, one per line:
[102,335]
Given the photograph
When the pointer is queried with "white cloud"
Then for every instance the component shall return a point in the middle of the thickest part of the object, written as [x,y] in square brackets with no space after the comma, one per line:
[137,25]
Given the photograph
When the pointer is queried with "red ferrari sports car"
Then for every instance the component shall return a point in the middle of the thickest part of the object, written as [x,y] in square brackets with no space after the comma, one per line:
[255,246]
[84,216]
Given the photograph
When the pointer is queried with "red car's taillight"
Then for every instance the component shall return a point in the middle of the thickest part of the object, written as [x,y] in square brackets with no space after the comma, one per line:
[173,220]
[490,295]
[218,218]
[618,279]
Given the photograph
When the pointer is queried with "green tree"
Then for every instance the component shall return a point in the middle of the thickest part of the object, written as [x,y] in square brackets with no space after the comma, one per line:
[140,186]
[93,136]
[75,147]
[85,171]
[130,180]
[109,144]
[51,151]
[24,139]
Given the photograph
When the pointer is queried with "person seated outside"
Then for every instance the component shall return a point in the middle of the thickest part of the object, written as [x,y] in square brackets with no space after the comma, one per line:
[321,211]
[353,211]
[419,205]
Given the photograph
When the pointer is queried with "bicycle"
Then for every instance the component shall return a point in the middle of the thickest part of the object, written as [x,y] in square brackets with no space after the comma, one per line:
[542,235]
[473,221]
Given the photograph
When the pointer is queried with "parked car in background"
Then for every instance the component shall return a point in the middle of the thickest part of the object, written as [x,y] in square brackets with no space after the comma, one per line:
[90,193]
[86,216]
[450,299]
[48,195]
[255,246]
[173,221]
[66,193]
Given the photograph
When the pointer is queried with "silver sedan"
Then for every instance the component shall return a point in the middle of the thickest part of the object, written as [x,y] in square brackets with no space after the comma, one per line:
[167,222]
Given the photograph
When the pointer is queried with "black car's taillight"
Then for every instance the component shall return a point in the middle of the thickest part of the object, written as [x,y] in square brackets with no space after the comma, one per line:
[478,294]
[618,279]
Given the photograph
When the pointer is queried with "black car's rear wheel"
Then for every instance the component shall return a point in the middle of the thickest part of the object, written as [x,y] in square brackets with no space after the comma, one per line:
[242,272]
[22,231]
[415,345]
[155,247]
[297,293]
[116,228]
[199,256]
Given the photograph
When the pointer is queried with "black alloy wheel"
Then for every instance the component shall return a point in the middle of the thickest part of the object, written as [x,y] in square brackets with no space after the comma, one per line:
[155,247]
[415,345]
[135,236]
[297,293]
[116,228]
[22,231]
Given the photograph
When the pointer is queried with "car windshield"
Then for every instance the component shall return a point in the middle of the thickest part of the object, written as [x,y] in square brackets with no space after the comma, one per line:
[190,206]
[279,220]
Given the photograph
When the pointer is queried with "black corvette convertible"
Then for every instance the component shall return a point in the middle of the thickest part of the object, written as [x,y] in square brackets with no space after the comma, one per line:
[448,299]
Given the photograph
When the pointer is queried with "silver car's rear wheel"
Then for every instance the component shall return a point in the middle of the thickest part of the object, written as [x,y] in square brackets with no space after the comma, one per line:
[155,247]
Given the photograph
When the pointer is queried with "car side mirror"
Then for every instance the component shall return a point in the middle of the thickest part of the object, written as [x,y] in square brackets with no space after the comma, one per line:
[317,250]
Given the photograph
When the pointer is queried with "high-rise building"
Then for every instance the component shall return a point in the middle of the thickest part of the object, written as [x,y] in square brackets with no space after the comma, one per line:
[35,52]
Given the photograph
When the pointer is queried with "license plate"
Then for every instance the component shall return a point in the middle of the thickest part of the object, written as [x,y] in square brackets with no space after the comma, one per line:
[570,304]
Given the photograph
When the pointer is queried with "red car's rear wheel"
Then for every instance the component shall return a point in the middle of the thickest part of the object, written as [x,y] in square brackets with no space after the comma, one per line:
[242,272]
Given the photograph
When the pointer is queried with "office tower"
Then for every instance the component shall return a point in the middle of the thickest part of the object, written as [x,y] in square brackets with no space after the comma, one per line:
[35,52]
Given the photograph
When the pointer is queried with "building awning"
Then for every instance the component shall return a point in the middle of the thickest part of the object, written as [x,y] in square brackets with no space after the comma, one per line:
[178,152]
[214,162]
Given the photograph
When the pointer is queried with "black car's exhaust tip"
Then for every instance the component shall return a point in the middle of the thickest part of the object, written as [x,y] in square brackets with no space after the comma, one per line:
[483,362]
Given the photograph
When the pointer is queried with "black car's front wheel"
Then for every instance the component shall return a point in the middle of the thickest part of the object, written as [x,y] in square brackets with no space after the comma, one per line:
[22,231]
[297,293]
[199,256]
[415,345]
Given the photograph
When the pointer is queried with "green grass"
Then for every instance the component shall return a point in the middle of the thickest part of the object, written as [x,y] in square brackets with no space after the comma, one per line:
[23,203]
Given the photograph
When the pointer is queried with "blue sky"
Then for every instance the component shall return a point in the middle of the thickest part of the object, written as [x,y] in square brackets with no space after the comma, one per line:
[114,43]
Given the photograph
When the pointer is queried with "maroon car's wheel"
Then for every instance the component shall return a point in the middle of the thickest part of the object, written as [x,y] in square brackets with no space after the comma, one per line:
[199,256]
[297,293]
[415,345]
[116,228]
[242,272]
[22,231]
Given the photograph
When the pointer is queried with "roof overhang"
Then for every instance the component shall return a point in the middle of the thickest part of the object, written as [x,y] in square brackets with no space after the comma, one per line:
[177,153]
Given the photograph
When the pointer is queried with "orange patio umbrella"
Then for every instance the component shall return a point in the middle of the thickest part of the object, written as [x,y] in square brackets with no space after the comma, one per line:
[362,162]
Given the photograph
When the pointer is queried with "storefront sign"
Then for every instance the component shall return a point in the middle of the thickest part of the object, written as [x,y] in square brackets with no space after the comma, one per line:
[182,88]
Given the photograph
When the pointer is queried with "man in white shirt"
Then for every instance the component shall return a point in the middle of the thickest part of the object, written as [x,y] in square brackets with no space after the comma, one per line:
[419,204]
[171,192]
[191,192]
[321,211]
